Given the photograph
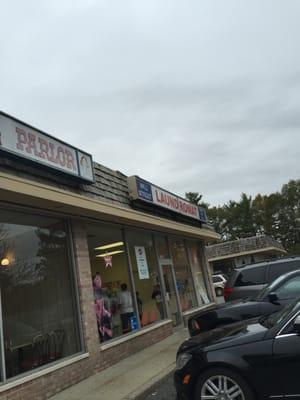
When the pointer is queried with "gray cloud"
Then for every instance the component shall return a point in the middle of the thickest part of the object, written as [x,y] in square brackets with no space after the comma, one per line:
[194,96]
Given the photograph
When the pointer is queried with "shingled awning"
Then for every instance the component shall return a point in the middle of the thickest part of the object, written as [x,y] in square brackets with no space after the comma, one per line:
[250,245]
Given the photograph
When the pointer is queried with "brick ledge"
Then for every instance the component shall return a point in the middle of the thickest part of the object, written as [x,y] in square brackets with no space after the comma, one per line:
[131,336]
[44,371]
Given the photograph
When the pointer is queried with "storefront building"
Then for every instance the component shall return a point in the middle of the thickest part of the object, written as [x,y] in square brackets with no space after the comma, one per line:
[94,266]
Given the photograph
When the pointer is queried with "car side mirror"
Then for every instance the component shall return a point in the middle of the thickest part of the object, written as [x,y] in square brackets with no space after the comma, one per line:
[297,325]
[273,298]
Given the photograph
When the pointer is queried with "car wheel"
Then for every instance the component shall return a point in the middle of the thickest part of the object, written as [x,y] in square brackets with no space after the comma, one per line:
[219,292]
[222,384]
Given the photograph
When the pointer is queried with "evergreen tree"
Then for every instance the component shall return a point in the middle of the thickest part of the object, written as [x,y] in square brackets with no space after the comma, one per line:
[276,215]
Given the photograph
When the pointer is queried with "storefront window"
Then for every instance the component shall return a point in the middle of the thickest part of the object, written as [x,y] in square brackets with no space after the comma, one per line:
[114,306]
[195,260]
[38,310]
[183,274]
[146,278]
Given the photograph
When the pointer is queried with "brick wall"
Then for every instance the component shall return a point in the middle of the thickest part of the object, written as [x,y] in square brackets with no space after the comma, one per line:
[117,353]
[48,385]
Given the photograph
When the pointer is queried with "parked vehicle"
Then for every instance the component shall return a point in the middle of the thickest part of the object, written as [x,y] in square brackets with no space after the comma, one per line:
[272,298]
[250,280]
[219,282]
[256,359]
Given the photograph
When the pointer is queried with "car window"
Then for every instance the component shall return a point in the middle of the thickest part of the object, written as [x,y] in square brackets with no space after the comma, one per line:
[278,269]
[216,279]
[289,289]
[278,317]
[271,287]
[253,276]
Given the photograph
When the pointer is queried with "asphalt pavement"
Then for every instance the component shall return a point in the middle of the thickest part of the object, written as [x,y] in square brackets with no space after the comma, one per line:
[162,391]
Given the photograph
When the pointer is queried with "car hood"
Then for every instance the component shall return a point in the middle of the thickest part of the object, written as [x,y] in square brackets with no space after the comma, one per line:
[226,336]
[234,303]
[226,311]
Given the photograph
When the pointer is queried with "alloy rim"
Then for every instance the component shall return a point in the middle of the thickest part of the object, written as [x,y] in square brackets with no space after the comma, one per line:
[221,387]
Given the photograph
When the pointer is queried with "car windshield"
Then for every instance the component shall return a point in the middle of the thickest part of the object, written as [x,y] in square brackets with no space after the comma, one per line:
[268,289]
[276,318]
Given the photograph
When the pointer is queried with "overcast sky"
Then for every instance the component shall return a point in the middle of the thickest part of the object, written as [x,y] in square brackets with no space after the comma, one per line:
[193,95]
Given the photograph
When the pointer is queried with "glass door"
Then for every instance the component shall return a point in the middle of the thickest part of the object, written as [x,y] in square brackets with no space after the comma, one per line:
[169,280]
[171,294]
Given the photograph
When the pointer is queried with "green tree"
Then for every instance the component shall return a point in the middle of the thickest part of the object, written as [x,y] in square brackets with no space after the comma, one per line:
[289,216]
[276,215]
[194,197]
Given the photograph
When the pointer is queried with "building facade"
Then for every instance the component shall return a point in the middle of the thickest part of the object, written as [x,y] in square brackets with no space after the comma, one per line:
[224,257]
[94,266]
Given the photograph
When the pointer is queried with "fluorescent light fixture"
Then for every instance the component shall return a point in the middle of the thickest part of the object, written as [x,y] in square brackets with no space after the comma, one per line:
[5,262]
[111,253]
[109,246]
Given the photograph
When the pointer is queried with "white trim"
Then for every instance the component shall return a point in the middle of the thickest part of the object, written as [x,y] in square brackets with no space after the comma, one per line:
[42,372]
[282,329]
[286,335]
[133,335]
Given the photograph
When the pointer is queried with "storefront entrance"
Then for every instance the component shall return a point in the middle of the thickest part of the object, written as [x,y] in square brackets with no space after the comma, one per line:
[172,300]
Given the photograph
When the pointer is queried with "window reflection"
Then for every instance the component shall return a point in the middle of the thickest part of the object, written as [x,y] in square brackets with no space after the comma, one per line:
[183,274]
[38,310]
[195,259]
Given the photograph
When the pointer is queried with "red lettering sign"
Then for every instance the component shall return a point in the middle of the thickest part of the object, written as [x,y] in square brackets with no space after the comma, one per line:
[45,150]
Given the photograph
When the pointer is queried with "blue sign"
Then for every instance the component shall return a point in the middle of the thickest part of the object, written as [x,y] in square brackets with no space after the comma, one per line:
[144,190]
[134,323]
[202,214]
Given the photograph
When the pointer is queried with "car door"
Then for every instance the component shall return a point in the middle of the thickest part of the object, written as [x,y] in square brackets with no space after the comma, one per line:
[286,362]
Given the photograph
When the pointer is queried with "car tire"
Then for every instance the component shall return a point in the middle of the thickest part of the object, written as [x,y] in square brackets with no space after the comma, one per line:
[232,378]
[219,292]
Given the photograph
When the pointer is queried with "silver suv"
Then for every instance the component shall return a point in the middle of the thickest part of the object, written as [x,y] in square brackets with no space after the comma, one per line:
[248,281]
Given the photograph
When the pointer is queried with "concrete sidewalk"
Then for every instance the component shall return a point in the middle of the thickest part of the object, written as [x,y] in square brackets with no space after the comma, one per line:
[130,378]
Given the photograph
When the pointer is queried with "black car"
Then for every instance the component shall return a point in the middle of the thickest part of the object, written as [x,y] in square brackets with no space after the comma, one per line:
[271,299]
[256,359]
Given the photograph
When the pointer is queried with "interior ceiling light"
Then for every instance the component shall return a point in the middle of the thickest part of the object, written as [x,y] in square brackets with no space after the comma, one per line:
[109,246]
[111,253]
[5,262]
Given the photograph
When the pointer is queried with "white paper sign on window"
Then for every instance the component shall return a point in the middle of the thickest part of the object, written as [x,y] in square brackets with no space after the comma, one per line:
[141,261]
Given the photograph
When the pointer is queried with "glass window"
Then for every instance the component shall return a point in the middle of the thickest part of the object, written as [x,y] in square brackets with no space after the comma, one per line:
[253,276]
[289,289]
[195,259]
[146,279]
[38,310]
[183,274]
[113,298]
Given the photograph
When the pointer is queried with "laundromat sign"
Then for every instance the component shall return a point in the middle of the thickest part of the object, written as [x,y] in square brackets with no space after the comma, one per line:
[146,191]
[22,140]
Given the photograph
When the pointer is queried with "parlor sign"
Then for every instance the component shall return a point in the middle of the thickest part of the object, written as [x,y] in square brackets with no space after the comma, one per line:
[24,141]
[139,189]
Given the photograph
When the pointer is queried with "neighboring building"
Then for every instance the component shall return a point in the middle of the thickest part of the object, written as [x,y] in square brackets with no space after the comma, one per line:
[94,266]
[223,257]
